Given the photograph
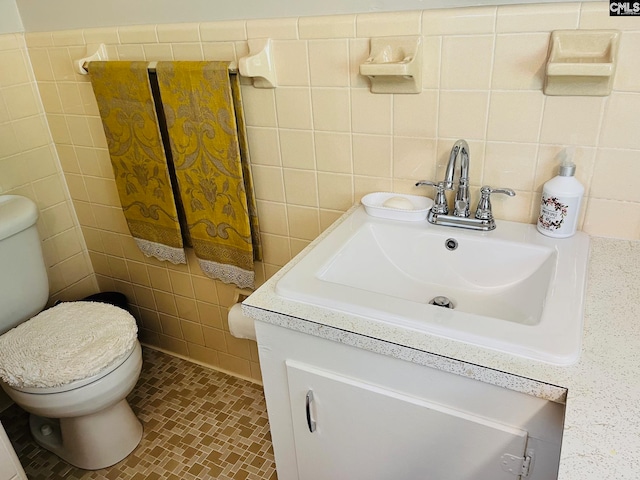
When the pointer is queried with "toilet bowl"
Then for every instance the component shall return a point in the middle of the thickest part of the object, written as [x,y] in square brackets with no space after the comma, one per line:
[70,366]
[85,421]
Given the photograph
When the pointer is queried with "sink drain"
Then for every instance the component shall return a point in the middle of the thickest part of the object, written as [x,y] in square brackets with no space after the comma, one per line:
[441,301]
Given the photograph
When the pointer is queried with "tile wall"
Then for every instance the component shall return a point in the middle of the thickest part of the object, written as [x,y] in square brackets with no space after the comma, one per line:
[321,140]
[29,166]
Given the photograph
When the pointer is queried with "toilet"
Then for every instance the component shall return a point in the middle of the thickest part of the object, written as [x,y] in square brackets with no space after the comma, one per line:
[70,366]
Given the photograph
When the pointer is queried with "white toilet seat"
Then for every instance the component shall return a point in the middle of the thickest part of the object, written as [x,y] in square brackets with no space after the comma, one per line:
[78,383]
[66,346]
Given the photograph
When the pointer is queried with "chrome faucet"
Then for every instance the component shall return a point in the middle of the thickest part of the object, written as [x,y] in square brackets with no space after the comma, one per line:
[460,150]
[439,213]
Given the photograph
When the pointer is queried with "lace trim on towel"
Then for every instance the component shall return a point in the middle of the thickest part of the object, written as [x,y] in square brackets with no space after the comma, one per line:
[161,252]
[228,273]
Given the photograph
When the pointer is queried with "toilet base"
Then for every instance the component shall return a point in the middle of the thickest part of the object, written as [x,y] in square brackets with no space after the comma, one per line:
[90,442]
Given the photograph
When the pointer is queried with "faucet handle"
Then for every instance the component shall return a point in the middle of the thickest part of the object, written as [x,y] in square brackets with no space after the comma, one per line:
[440,201]
[483,212]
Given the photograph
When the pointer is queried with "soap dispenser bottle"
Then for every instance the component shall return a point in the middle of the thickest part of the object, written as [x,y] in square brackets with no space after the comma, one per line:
[561,200]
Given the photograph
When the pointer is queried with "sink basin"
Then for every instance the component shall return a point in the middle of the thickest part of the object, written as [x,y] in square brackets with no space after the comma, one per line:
[512,289]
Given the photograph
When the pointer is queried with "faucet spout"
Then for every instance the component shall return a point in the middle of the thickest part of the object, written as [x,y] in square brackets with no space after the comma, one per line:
[460,150]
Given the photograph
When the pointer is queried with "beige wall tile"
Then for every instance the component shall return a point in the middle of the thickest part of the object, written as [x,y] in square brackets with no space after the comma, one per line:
[273,218]
[466,62]
[595,15]
[414,158]
[358,53]
[620,121]
[101,35]
[361,186]
[612,218]
[130,52]
[138,273]
[333,26]
[550,157]
[264,146]
[304,222]
[165,302]
[616,175]
[515,116]
[192,332]
[297,149]
[520,61]
[209,315]
[223,31]
[335,191]
[370,113]
[188,310]
[571,120]
[32,132]
[181,284]
[416,115]
[472,123]
[259,106]
[294,108]
[300,187]
[628,70]
[41,65]
[292,63]
[237,347]
[510,165]
[388,24]
[268,183]
[372,155]
[62,38]
[331,109]
[459,21]
[138,34]
[538,17]
[21,101]
[170,326]
[329,63]
[177,33]
[275,249]
[159,278]
[277,28]
[155,52]
[187,51]
[333,152]
[238,366]
[14,68]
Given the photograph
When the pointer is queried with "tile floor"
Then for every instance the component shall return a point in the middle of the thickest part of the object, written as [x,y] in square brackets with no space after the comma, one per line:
[198,424]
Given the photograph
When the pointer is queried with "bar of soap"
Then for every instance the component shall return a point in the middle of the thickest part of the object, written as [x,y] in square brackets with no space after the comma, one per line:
[400,203]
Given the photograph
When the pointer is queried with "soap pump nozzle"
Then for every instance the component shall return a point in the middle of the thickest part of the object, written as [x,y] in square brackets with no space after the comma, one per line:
[567,166]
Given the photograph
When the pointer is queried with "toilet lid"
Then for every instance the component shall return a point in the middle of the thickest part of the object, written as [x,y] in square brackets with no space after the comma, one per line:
[68,342]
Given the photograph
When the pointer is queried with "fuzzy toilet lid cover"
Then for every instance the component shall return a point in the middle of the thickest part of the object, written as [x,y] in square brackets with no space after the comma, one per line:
[65,343]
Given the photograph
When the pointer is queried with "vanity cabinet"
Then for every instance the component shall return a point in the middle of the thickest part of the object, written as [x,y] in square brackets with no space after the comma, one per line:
[10,468]
[341,412]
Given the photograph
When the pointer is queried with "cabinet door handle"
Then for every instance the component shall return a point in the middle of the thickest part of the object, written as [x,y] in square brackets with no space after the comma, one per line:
[311,423]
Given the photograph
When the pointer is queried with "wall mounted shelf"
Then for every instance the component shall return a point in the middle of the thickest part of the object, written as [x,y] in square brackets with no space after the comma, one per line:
[582,62]
[394,65]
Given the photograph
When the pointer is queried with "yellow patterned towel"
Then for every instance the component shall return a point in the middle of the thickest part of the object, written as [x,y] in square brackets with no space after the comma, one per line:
[206,132]
[130,124]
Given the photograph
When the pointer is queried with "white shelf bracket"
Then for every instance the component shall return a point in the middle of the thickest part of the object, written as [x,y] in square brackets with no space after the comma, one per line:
[95,52]
[259,64]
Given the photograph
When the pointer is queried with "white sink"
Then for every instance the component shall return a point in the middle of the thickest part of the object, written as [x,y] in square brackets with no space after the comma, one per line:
[513,289]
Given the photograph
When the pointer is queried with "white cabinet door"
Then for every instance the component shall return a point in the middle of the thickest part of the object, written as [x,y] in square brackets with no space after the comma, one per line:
[363,431]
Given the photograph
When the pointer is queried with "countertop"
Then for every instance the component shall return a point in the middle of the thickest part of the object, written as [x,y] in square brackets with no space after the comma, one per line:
[601,439]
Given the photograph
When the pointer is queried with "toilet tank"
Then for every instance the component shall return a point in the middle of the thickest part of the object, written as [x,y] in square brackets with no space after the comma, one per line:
[24,287]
